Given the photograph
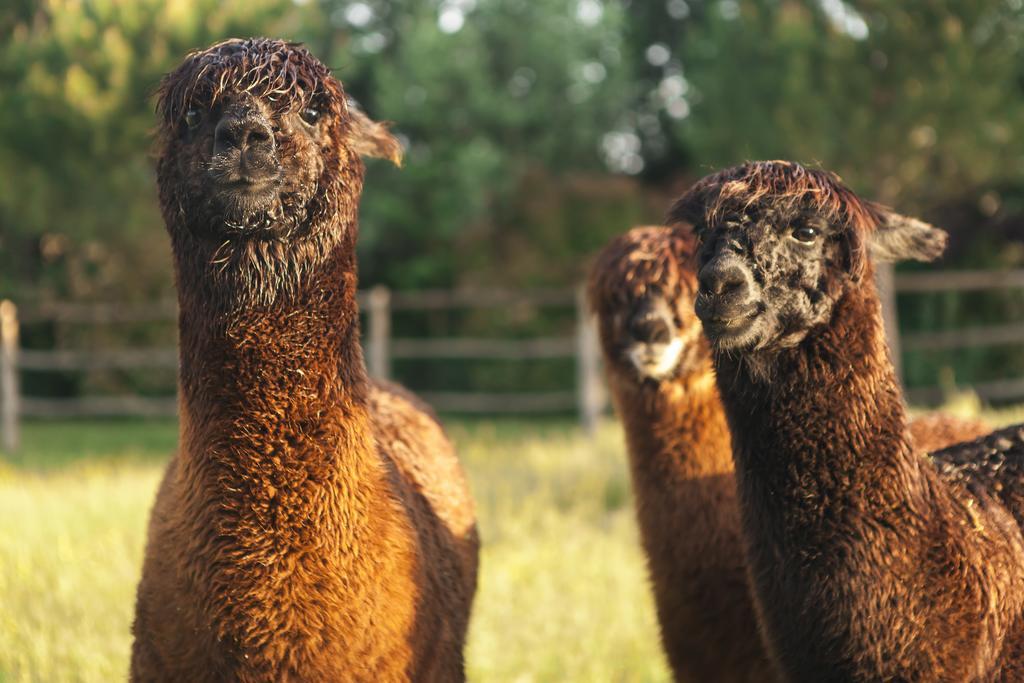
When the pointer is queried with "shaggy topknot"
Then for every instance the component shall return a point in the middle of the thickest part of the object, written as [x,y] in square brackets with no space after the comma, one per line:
[786,185]
[644,258]
[274,70]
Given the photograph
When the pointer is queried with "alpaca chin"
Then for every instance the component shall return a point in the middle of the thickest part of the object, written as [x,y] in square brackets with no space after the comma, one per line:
[655,361]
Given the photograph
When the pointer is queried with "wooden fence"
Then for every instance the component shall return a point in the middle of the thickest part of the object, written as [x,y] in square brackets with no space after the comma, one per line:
[986,335]
[588,397]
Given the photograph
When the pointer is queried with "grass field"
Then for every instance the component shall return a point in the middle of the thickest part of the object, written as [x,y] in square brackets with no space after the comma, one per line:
[562,593]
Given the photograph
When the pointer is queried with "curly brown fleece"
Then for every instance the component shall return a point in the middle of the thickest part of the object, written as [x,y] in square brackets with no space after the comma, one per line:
[867,562]
[312,527]
[680,458]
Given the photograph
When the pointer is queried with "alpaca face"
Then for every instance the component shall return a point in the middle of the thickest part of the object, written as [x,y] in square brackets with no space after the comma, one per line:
[253,168]
[642,292]
[767,277]
[260,171]
[651,339]
[780,245]
[254,136]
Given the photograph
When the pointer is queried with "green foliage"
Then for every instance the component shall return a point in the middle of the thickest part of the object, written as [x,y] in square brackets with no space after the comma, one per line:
[535,129]
[78,215]
[912,102]
[518,96]
[514,113]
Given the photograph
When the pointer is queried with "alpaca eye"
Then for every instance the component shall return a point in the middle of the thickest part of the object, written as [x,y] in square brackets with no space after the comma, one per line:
[804,233]
[310,115]
[193,118]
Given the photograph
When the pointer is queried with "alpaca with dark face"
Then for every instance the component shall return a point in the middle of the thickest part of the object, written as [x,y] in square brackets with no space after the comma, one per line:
[313,526]
[868,562]
[642,288]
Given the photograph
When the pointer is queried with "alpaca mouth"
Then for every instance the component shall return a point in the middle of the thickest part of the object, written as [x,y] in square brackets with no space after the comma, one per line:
[239,182]
[655,360]
[734,331]
[244,197]
[247,186]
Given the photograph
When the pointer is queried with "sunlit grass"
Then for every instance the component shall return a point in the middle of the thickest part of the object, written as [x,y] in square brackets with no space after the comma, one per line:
[562,593]
[70,545]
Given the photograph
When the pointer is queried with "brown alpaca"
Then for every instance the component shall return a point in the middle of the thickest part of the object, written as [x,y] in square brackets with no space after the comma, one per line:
[866,563]
[642,287]
[313,527]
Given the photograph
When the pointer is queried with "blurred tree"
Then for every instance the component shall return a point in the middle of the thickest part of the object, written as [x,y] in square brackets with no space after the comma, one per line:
[915,104]
[496,99]
[535,128]
[78,213]
[911,102]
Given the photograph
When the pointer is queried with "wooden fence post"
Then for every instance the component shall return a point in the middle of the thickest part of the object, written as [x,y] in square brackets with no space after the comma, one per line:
[590,391]
[379,332]
[9,398]
[885,280]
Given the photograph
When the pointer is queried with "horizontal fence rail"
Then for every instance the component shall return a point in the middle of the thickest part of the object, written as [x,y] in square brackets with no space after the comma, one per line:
[99,406]
[463,347]
[988,335]
[959,280]
[926,282]
[100,359]
[588,397]
[479,402]
[378,304]
[101,313]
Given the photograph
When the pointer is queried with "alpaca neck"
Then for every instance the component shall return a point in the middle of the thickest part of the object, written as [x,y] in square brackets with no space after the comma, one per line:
[829,426]
[677,423]
[290,510]
[273,401]
[681,464]
[848,528]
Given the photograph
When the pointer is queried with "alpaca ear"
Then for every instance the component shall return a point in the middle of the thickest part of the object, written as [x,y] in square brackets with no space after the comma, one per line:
[373,139]
[902,238]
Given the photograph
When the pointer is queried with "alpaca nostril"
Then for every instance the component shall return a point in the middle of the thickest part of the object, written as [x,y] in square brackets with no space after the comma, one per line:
[650,328]
[257,136]
[727,282]
[731,285]
[243,133]
[245,143]
[719,284]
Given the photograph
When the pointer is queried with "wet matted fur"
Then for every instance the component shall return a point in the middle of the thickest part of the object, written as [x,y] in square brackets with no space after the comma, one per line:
[867,563]
[313,526]
[680,456]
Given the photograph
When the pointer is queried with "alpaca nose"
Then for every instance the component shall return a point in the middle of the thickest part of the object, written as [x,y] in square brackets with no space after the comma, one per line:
[717,279]
[724,287]
[650,326]
[249,135]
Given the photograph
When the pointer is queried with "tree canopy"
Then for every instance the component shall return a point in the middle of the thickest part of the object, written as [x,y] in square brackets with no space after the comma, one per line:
[534,128]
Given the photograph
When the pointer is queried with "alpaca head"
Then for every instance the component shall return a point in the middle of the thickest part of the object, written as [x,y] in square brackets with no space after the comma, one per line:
[642,288]
[781,244]
[259,153]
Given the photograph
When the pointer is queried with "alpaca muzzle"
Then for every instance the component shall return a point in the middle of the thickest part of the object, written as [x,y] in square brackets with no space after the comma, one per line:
[654,344]
[244,150]
[727,297]
[651,324]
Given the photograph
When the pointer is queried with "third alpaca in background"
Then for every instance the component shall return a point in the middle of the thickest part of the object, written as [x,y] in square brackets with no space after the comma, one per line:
[642,288]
